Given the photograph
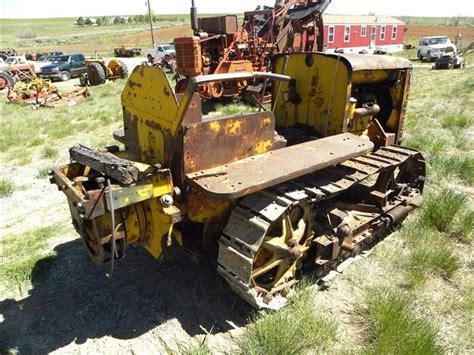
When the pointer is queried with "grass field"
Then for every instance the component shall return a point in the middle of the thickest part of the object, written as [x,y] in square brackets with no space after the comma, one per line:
[413,294]
[62,34]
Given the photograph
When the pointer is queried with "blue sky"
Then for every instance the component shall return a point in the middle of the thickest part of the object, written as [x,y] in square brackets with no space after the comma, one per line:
[68,8]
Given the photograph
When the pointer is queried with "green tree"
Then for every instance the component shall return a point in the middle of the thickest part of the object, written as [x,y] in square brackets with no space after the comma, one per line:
[81,21]
[117,20]
[105,20]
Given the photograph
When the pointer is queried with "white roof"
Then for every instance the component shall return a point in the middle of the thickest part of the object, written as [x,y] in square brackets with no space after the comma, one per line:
[360,20]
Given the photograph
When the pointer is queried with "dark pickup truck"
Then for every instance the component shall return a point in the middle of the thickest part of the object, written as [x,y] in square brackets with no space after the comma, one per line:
[65,67]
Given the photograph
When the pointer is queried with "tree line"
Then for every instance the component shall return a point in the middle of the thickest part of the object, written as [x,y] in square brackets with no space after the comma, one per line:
[120,20]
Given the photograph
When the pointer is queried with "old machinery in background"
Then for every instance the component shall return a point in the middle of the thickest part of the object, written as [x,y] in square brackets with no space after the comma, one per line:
[99,70]
[220,45]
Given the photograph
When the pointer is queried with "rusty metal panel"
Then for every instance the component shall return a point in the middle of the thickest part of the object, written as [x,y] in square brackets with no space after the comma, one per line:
[219,24]
[374,62]
[188,56]
[194,112]
[220,141]
[256,173]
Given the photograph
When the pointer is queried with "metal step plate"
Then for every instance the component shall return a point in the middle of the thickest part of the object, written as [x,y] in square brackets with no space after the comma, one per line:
[246,176]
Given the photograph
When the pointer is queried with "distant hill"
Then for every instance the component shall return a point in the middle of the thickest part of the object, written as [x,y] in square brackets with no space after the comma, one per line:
[438,21]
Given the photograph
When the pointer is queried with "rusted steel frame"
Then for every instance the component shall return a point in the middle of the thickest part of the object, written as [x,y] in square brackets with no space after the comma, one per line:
[233,180]
[227,51]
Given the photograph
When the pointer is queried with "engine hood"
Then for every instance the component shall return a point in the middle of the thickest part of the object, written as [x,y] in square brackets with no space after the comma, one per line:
[52,66]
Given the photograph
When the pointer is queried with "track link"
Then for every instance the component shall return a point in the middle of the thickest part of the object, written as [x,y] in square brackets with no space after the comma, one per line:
[253,218]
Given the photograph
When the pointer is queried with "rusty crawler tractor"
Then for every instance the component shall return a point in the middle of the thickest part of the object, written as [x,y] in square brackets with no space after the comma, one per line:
[221,46]
[307,185]
[100,70]
[127,52]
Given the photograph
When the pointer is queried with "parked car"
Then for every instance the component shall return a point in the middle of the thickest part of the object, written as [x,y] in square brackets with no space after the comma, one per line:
[15,63]
[5,53]
[43,56]
[44,61]
[431,48]
[160,51]
[449,60]
[15,60]
[15,68]
[65,67]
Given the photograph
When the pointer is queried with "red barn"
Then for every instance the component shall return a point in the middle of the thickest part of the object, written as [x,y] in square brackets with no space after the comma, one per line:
[357,33]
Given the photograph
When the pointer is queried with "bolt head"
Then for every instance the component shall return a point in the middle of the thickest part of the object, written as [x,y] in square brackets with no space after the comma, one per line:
[166,200]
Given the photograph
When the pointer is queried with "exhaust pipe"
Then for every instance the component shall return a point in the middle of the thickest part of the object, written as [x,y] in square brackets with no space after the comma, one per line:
[194,18]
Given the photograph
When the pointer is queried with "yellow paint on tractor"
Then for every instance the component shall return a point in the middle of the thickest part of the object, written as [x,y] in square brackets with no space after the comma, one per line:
[233,128]
[263,146]
[273,189]
[215,126]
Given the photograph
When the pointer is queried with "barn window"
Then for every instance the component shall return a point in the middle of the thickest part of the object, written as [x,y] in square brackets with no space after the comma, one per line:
[347,33]
[331,34]
[395,32]
[363,31]
[382,33]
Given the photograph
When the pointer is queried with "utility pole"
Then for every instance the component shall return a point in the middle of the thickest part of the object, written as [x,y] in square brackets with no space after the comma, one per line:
[151,25]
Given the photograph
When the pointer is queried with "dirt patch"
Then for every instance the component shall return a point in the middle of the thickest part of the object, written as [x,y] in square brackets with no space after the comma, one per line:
[417,31]
[147,306]
[164,34]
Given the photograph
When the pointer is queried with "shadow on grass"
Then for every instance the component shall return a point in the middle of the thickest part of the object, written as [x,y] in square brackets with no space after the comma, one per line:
[73,301]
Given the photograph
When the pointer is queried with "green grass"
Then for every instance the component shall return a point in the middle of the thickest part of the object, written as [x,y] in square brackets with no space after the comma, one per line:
[49,152]
[201,349]
[19,254]
[430,237]
[96,117]
[465,230]
[7,187]
[394,328]
[431,254]
[441,208]
[440,124]
[43,173]
[296,329]
[456,121]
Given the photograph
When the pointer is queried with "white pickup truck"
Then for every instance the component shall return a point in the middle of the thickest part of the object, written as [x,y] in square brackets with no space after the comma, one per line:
[160,51]
[431,48]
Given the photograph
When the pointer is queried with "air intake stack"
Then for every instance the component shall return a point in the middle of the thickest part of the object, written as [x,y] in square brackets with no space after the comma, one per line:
[194,18]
